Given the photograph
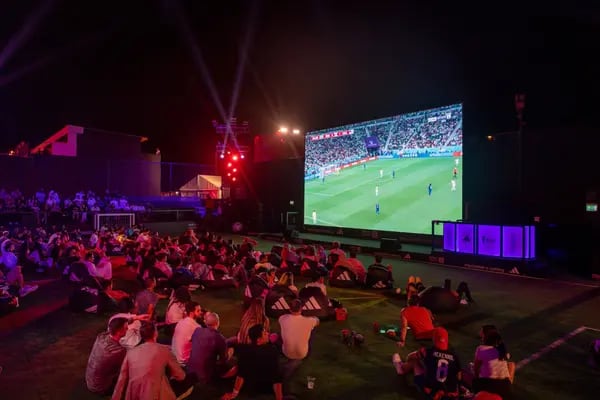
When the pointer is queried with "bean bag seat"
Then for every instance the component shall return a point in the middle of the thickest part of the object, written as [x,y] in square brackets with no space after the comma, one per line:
[218,278]
[379,277]
[257,287]
[439,299]
[277,301]
[316,304]
[343,277]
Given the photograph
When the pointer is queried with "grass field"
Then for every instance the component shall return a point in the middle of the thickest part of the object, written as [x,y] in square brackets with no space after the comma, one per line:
[46,358]
[348,199]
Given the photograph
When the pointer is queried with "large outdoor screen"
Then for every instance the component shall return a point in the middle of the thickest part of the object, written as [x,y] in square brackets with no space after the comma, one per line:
[391,174]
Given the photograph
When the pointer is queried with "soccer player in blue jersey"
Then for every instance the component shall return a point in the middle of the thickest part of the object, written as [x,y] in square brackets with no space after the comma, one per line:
[377,208]
[429,189]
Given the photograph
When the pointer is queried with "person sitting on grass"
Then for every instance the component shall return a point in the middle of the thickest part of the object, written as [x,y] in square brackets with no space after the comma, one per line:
[491,369]
[437,371]
[296,333]
[106,357]
[146,300]
[255,314]
[146,370]
[209,358]
[418,319]
[258,366]
[181,344]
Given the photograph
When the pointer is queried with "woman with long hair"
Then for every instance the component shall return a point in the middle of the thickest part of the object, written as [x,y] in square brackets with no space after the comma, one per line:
[491,369]
[254,315]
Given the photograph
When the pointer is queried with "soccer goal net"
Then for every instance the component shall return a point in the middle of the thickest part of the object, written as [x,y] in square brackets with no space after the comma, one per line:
[126,220]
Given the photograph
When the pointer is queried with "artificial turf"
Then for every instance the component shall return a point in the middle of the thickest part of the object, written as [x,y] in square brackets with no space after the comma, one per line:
[46,358]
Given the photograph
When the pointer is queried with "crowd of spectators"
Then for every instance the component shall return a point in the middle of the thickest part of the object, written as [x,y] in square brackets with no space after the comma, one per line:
[79,206]
[416,131]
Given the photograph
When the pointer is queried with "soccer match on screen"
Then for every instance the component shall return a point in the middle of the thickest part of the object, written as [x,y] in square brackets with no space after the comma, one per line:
[390,174]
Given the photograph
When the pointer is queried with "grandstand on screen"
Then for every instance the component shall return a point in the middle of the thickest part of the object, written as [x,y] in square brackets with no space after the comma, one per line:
[430,133]
[391,174]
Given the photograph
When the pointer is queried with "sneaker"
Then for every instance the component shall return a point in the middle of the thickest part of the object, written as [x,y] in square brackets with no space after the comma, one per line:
[397,361]
[464,302]
[186,394]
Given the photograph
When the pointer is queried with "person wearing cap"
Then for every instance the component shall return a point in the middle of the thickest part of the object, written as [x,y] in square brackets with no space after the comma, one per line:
[436,369]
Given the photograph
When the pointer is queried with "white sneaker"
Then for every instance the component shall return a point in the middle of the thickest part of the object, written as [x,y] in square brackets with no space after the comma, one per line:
[397,361]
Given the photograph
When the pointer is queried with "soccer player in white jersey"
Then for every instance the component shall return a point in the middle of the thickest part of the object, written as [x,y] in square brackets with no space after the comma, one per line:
[381,173]
[453,183]
[376,191]
[314,216]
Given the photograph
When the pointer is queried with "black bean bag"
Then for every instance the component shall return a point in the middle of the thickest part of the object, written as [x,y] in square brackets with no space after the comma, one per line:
[316,304]
[218,278]
[277,301]
[379,278]
[439,300]
[256,287]
[343,277]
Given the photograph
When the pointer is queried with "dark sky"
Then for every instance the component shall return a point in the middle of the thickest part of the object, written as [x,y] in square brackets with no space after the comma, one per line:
[127,66]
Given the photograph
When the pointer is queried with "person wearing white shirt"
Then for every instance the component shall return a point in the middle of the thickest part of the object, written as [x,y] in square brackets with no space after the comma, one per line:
[104,269]
[91,268]
[182,336]
[296,331]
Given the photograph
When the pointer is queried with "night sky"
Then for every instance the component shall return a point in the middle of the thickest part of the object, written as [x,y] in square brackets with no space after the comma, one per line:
[131,66]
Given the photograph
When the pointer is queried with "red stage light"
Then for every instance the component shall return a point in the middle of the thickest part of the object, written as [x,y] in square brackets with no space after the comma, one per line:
[235,158]
[222,155]
[235,170]
[233,179]
[228,164]
[242,156]
[229,174]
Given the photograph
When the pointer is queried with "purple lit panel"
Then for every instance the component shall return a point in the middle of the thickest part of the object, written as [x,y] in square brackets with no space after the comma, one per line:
[532,241]
[449,236]
[512,241]
[465,238]
[488,240]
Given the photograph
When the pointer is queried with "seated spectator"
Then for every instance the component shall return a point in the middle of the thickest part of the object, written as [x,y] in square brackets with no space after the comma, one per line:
[296,332]
[209,358]
[16,283]
[88,261]
[491,367]
[418,319]
[258,366]
[106,357]
[162,267]
[287,279]
[104,268]
[144,370]
[428,364]
[184,329]
[317,280]
[176,307]
[337,249]
[255,314]
[134,322]
[146,300]
[357,266]
[263,264]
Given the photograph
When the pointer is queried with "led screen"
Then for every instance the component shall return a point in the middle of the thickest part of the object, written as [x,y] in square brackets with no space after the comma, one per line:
[391,174]
[488,240]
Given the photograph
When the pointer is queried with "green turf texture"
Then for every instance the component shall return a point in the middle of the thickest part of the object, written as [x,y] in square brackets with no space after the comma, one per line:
[46,360]
[348,199]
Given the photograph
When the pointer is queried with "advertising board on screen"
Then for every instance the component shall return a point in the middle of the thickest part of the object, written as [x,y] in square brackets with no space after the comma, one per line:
[392,174]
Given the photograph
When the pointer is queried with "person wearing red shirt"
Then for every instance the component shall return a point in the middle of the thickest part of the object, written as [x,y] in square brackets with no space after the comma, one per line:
[418,318]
